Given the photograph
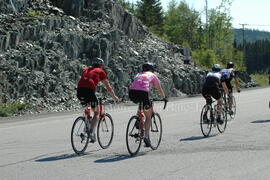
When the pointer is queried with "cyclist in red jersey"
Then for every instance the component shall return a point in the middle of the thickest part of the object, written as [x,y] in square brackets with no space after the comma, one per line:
[86,89]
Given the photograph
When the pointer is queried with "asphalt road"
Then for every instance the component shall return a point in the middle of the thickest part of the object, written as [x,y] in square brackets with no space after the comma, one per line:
[38,147]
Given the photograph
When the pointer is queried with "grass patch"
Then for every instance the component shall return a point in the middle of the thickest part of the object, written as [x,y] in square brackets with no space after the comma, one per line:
[33,13]
[261,79]
[8,109]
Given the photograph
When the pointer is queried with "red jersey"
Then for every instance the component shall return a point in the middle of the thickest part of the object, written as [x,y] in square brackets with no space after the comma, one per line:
[91,77]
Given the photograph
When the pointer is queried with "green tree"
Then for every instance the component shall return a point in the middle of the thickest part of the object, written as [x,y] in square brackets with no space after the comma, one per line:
[128,5]
[204,58]
[220,32]
[182,25]
[151,14]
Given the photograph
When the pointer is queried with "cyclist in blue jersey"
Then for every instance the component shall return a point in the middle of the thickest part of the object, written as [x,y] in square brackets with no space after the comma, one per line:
[230,74]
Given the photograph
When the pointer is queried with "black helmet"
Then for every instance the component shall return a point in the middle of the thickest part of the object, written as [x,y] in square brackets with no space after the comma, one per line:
[230,65]
[97,62]
[216,68]
[147,66]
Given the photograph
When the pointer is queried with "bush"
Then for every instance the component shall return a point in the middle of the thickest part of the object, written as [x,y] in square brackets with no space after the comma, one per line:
[8,109]
[261,79]
[33,13]
[204,58]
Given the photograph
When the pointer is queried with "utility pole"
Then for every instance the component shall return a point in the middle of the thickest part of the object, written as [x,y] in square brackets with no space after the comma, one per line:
[13,7]
[206,22]
[244,42]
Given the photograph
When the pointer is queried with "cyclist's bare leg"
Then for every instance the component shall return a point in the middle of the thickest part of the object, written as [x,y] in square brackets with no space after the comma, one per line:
[230,101]
[95,117]
[148,114]
[219,106]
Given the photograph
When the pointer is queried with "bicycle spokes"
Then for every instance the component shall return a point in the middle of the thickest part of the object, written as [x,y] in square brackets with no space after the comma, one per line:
[104,126]
[206,120]
[133,136]
[79,136]
[154,126]
[155,133]
[105,131]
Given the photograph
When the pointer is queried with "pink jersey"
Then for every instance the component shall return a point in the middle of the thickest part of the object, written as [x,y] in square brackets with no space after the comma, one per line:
[144,81]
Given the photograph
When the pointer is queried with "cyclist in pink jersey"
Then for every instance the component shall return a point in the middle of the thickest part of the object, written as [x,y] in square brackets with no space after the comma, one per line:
[139,92]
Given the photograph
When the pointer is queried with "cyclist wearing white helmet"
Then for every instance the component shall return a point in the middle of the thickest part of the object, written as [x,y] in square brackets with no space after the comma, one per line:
[211,88]
[229,73]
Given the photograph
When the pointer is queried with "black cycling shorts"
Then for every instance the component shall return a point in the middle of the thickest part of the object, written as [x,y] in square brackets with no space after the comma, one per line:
[87,96]
[138,96]
[229,86]
[212,91]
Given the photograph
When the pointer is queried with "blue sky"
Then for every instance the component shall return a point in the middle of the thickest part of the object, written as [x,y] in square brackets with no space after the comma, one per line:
[255,13]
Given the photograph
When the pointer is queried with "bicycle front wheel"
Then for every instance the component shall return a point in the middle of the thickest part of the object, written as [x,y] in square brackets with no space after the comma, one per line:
[205,121]
[155,132]
[133,135]
[79,135]
[222,127]
[105,131]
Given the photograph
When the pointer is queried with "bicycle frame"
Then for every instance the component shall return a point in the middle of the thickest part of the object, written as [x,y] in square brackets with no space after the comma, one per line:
[104,125]
[210,105]
[140,114]
[140,111]
[87,110]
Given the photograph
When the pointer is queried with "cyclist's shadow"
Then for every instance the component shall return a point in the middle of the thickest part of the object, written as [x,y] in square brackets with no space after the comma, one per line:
[196,138]
[63,157]
[119,157]
[261,121]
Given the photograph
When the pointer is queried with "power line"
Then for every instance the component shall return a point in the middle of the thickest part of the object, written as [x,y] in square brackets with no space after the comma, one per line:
[255,24]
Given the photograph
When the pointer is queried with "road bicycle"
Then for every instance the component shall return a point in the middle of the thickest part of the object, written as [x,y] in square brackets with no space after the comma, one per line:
[81,127]
[135,129]
[225,104]
[209,117]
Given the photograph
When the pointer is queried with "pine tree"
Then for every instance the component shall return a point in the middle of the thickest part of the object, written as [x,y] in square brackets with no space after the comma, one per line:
[127,5]
[151,14]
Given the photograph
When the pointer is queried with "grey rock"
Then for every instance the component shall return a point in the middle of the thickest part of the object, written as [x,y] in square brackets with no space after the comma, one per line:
[41,58]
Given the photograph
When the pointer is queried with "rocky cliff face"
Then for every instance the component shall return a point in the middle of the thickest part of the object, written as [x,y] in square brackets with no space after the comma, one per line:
[43,51]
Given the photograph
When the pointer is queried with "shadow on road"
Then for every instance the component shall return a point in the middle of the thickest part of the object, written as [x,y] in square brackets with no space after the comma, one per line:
[119,157]
[195,138]
[64,156]
[261,121]
[59,157]
[35,159]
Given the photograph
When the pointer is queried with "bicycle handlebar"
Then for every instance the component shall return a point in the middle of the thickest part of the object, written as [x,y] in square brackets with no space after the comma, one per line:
[164,100]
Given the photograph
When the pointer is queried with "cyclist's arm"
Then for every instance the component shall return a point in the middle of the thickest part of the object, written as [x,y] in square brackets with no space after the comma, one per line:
[224,86]
[108,87]
[160,90]
[236,83]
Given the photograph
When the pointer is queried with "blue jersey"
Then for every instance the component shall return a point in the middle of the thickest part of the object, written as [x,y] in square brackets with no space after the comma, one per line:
[228,74]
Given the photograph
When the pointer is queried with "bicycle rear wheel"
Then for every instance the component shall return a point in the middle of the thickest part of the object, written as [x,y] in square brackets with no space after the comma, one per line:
[205,121]
[133,135]
[105,131]
[155,133]
[222,127]
[79,135]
